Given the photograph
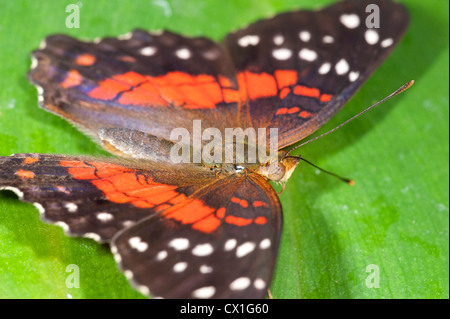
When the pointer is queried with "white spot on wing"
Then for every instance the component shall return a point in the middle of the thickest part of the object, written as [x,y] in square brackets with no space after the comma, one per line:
[180,266]
[259,284]
[161,255]
[305,36]
[247,40]
[179,243]
[71,207]
[371,36]
[128,223]
[353,76]
[282,54]
[245,249]
[116,254]
[40,93]
[137,243]
[307,54]
[202,250]
[350,21]
[342,67]
[104,217]
[278,39]
[211,54]
[143,290]
[325,68]
[128,274]
[265,243]
[183,53]
[230,244]
[387,42]
[328,39]
[204,269]
[204,292]
[148,51]
[240,284]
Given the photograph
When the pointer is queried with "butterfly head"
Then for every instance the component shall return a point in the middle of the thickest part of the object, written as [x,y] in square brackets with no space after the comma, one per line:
[280,169]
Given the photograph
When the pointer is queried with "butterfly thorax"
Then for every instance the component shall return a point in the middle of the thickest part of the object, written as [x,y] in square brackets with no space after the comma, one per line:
[277,169]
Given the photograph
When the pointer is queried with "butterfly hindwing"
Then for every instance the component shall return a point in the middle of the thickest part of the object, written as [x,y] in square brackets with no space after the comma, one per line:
[220,244]
[299,68]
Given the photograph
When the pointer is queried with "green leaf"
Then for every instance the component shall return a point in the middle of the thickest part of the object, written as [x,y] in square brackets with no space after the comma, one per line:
[336,239]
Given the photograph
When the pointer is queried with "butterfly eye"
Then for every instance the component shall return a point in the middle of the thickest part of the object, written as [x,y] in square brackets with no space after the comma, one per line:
[276,171]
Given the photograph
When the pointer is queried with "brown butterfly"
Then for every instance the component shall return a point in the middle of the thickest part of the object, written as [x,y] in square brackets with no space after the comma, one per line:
[193,230]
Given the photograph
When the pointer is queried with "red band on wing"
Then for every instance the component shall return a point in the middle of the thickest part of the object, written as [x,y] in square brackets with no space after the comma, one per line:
[174,88]
[257,85]
[286,78]
[123,185]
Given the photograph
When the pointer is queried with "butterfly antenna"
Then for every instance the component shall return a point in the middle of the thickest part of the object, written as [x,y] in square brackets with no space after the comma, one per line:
[398,91]
[349,181]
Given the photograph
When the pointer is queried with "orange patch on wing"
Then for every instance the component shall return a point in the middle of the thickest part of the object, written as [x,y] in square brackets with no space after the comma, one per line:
[286,78]
[284,92]
[282,110]
[177,88]
[73,78]
[131,78]
[85,59]
[258,85]
[238,221]
[325,97]
[239,201]
[23,174]
[145,94]
[258,203]
[261,220]
[294,109]
[123,185]
[306,91]
[207,225]
[304,114]
[30,160]
[225,82]
[195,212]
[220,213]
[285,110]
[108,89]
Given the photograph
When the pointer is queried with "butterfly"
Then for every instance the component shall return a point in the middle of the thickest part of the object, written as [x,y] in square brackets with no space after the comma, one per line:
[193,230]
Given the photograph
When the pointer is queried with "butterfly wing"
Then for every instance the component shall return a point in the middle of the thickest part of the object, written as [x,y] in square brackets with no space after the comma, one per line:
[94,197]
[299,68]
[148,82]
[178,231]
[221,244]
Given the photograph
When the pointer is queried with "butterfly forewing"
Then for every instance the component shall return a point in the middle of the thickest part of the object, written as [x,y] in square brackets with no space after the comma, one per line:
[136,81]
[94,197]
[299,68]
